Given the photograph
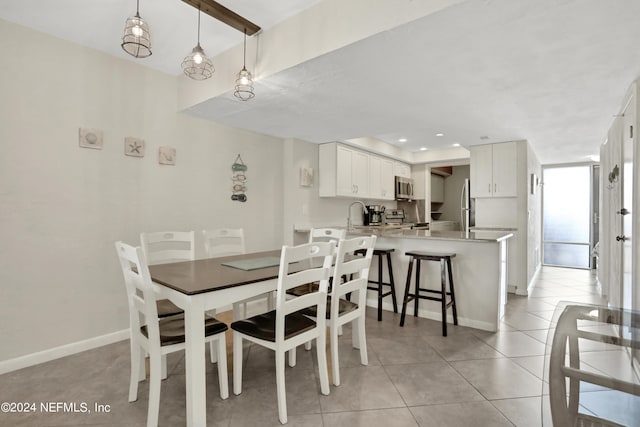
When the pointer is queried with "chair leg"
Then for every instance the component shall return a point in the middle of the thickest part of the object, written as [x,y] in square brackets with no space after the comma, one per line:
[164,366]
[307,345]
[223,377]
[236,311]
[335,359]
[443,300]
[292,357]
[321,346]
[359,329]
[453,294]
[406,292]
[416,300]
[154,388]
[143,367]
[379,288]
[237,363]
[280,387]
[137,366]
[213,350]
[392,284]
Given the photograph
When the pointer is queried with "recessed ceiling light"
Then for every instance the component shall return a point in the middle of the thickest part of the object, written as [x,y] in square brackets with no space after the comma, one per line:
[439,134]
[402,140]
[456,145]
[423,148]
[484,137]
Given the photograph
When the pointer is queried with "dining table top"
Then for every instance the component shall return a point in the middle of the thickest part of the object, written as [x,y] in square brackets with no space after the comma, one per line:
[211,274]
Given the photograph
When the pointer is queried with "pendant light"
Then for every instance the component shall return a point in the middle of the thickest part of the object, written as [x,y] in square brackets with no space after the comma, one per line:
[197,65]
[244,82]
[136,40]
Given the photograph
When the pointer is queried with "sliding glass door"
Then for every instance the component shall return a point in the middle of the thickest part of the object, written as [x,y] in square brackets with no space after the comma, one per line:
[568,215]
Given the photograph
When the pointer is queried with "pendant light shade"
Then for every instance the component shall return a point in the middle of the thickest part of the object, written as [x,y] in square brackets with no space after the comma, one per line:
[136,40]
[197,65]
[244,81]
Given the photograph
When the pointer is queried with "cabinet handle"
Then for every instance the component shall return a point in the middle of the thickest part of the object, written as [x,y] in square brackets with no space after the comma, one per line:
[622,238]
[495,188]
[489,187]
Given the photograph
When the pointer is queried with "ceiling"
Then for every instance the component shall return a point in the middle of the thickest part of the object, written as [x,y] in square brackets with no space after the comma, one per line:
[553,72]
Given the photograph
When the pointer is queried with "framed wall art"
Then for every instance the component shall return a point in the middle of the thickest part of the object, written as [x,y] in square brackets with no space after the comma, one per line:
[167,156]
[90,138]
[134,147]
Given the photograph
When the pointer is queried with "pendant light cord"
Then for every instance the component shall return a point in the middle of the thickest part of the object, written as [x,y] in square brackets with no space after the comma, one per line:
[198,24]
[244,60]
[138,8]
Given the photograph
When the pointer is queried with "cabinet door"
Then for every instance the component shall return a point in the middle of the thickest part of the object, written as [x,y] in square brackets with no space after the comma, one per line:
[360,173]
[344,185]
[375,177]
[481,173]
[402,169]
[504,170]
[387,181]
[437,189]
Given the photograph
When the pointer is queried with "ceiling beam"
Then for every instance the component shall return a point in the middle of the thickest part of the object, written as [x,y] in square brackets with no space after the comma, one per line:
[221,13]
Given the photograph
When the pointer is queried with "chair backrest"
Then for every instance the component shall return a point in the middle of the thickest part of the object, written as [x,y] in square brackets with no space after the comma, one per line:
[140,294]
[168,246]
[354,268]
[304,256]
[327,234]
[224,241]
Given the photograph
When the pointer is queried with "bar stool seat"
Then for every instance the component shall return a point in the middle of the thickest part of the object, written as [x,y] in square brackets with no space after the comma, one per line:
[381,253]
[445,271]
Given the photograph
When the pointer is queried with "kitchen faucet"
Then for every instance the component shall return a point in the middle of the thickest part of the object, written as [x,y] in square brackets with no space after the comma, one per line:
[364,209]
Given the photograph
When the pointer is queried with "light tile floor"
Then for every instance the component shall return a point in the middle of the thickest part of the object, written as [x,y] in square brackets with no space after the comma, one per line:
[415,377]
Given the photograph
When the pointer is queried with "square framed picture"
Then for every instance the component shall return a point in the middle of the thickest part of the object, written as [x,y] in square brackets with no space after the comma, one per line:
[90,138]
[134,147]
[167,156]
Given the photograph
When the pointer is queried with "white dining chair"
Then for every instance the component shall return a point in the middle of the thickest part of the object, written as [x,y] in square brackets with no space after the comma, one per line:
[158,337]
[168,246]
[341,311]
[221,242]
[284,328]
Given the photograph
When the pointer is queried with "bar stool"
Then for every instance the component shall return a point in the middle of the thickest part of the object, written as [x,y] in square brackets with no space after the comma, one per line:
[445,261]
[381,253]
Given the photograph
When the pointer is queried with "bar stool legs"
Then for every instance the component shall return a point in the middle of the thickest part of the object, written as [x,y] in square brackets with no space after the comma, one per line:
[381,254]
[445,271]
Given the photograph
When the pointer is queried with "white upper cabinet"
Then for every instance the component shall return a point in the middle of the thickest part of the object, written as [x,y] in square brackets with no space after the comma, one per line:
[493,170]
[343,171]
[380,178]
[401,169]
[349,172]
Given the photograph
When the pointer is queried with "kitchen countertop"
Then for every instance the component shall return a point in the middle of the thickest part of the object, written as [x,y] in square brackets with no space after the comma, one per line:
[474,236]
[490,235]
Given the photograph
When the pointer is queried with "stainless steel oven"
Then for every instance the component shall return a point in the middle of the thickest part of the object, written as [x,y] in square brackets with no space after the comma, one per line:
[404,188]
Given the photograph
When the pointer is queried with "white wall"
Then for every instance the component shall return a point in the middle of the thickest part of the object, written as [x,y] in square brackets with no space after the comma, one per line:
[62,207]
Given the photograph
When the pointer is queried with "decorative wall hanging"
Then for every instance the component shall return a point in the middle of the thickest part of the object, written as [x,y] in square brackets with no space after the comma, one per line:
[134,147]
[613,177]
[239,179]
[306,177]
[90,138]
[167,156]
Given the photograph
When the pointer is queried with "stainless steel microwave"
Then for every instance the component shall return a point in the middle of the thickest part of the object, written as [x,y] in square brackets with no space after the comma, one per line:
[404,188]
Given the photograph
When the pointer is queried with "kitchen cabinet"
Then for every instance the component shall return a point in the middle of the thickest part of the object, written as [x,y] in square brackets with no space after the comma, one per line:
[380,178]
[343,171]
[437,188]
[493,170]
[401,169]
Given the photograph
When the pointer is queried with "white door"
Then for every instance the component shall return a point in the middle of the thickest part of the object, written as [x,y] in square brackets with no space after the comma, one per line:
[625,213]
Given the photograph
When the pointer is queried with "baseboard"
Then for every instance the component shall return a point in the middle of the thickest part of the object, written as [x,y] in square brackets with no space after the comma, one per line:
[62,351]
[462,321]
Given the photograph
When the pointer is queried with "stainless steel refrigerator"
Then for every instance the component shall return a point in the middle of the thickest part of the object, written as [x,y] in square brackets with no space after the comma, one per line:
[467,208]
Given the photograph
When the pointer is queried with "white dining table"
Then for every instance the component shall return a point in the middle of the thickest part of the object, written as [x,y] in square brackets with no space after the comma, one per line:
[206,284]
